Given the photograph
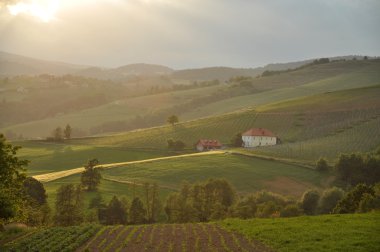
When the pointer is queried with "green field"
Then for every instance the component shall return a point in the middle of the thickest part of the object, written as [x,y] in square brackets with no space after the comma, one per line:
[246,174]
[317,79]
[50,157]
[351,232]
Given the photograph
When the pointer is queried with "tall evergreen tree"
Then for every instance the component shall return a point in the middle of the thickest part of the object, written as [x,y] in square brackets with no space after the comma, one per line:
[137,212]
[116,213]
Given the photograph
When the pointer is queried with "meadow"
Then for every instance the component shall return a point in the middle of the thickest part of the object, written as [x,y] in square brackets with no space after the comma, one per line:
[115,109]
[349,232]
[246,174]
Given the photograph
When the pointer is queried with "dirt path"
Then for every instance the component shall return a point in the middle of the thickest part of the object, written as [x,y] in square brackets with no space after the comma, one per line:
[61,174]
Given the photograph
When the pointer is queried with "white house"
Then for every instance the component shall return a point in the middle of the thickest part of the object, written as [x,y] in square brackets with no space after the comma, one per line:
[258,137]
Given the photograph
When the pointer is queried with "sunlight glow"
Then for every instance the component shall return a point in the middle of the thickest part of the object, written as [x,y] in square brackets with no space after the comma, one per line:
[44,10]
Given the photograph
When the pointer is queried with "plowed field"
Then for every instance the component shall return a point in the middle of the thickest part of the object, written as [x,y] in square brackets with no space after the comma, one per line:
[169,237]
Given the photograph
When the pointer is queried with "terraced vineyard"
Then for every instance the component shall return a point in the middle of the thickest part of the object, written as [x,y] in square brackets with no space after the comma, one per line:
[169,237]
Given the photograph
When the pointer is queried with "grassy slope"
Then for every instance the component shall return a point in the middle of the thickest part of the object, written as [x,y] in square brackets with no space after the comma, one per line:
[351,232]
[337,76]
[307,129]
[307,81]
[51,157]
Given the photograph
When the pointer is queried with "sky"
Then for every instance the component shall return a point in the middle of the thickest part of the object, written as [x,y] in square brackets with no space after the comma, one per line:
[189,33]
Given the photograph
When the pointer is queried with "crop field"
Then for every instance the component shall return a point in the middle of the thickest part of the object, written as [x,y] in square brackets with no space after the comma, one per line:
[53,239]
[170,237]
[347,232]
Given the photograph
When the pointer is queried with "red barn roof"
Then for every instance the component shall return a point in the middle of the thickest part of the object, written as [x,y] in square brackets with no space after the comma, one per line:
[209,143]
[258,132]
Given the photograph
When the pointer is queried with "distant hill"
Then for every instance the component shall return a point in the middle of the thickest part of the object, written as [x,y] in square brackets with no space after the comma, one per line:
[12,64]
[125,72]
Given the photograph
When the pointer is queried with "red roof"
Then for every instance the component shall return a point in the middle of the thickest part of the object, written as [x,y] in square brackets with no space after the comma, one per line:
[209,143]
[258,132]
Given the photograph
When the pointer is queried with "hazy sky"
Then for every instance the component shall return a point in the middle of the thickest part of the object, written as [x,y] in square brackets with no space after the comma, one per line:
[189,33]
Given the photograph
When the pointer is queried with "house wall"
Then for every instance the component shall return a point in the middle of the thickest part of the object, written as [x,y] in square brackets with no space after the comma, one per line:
[254,141]
[199,147]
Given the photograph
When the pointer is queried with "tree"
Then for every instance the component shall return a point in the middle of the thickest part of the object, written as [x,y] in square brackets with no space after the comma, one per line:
[137,212]
[58,134]
[68,205]
[91,177]
[176,145]
[351,201]
[237,141]
[322,165]
[246,208]
[173,119]
[116,213]
[309,202]
[153,203]
[35,190]
[12,176]
[291,210]
[67,131]
[329,199]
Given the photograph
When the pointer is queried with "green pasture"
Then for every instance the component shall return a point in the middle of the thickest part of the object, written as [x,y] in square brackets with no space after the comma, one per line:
[350,232]
[48,157]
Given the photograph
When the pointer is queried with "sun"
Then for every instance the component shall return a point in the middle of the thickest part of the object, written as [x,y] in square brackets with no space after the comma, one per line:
[44,10]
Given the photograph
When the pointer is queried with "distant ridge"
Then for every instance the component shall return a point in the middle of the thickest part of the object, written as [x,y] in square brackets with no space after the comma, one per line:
[12,64]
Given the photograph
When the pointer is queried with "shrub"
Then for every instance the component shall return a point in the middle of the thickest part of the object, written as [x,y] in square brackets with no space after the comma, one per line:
[329,199]
[309,202]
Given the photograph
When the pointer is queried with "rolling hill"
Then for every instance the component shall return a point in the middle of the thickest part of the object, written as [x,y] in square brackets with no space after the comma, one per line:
[126,113]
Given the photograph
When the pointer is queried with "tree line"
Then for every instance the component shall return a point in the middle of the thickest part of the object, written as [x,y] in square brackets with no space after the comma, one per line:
[24,199]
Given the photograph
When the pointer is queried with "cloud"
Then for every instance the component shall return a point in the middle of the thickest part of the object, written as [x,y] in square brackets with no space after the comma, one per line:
[195,33]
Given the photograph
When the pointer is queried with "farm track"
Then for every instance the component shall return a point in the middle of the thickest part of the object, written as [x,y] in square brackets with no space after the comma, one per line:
[47,177]
[170,237]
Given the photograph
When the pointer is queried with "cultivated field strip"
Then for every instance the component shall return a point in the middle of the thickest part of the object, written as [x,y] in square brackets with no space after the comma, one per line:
[169,237]
[58,239]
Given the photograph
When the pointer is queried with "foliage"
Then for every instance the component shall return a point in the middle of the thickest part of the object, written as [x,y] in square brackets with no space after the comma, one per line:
[67,131]
[351,201]
[292,210]
[54,239]
[58,134]
[153,203]
[358,168]
[322,165]
[329,199]
[137,212]
[116,213]
[176,145]
[200,202]
[237,141]
[69,205]
[12,176]
[35,190]
[309,202]
[91,177]
[173,119]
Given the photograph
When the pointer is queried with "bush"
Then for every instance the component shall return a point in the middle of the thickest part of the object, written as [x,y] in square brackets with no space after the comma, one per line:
[309,202]
[329,199]
[292,210]
[322,165]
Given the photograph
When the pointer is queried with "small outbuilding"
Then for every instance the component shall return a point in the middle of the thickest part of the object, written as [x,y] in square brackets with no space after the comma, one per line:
[258,137]
[206,144]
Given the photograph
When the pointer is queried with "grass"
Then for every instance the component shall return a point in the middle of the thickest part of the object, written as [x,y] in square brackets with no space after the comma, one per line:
[351,232]
[51,157]
[246,174]
[291,85]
